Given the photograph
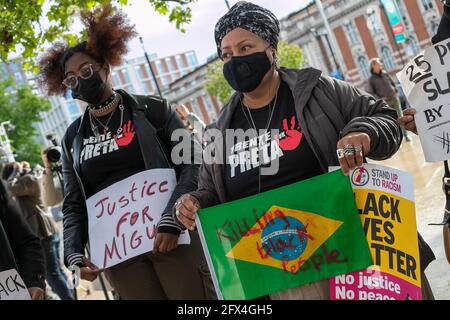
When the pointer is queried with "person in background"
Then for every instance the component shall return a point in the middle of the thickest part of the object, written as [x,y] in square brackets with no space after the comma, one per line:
[26,167]
[382,86]
[20,249]
[52,191]
[193,123]
[25,187]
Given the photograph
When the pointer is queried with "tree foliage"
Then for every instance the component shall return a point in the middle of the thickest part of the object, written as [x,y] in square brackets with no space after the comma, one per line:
[289,56]
[22,107]
[26,26]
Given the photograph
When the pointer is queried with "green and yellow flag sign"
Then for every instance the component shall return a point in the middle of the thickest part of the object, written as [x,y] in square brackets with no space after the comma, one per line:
[284,238]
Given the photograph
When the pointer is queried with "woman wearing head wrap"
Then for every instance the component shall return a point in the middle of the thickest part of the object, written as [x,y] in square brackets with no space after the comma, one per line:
[321,122]
[120,135]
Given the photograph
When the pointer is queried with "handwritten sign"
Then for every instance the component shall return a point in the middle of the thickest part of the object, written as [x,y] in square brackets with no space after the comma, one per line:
[284,238]
[426,83]
[385,201]
[123,217]
[12,286]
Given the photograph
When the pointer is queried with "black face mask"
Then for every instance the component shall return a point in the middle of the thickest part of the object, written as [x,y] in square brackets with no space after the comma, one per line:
[245,73]
[90,90]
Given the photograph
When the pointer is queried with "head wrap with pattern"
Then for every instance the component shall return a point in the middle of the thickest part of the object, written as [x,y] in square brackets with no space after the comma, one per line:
[251,17]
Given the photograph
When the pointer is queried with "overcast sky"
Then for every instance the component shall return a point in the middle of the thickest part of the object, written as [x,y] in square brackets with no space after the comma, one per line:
[161,37]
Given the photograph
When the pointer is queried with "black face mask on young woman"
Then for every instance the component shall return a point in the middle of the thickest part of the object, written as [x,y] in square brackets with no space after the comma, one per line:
[245,73]
[90,90]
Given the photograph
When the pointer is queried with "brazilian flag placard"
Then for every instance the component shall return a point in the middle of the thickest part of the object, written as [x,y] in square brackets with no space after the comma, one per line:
[284,238]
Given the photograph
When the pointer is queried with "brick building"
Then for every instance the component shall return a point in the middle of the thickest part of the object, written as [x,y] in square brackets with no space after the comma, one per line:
[190,91]
[362,31]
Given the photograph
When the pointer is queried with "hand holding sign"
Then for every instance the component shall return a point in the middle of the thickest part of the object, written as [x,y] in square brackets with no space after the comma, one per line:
[186,210]
[165,242]
[90,271]
[36,293]
[408,120]
[360,142]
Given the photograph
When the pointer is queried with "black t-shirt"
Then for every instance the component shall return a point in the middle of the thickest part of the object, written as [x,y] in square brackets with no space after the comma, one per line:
[111,158]
[296,159]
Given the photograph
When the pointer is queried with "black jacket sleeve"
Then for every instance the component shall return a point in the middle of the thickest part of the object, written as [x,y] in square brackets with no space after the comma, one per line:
[25,246]
[363,113]
[74,210]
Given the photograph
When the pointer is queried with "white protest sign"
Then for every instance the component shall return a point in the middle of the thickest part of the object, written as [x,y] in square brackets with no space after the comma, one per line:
[12,286]
[426,83]
[123,218]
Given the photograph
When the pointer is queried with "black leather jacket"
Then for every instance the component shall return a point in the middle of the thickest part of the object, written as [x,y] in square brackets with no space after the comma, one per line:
[20,248]
[154,121]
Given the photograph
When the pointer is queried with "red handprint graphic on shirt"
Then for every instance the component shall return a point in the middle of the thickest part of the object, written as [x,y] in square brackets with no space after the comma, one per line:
[125,137]
[293,136]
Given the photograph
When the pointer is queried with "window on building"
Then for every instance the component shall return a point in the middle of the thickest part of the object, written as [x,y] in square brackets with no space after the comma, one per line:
[170,65]
[73,108]
[351,33]
[412,46]
[180,62]
[374,22]
[148,87]
[165,80]
[196,108]
[403,13]
[192,59]
[116,79]
[363,66]
[140,72]
[61,114]
[386,57]
[427,4]
[434,27]
[54,101]
[209,107]
[126,76]
[159,67]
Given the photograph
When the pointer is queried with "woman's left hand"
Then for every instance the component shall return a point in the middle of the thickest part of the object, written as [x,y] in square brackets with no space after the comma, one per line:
[351,150]
[165,242]
[36,293]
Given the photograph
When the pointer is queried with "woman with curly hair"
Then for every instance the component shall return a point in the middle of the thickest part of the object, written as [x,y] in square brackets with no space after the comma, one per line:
[119,135]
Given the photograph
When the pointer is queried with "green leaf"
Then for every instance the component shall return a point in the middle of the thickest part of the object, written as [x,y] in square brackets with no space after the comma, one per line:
[21,23]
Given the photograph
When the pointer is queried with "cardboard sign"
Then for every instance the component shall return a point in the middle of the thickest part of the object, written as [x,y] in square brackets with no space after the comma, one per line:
[12,286]
[426,83]
[123,218]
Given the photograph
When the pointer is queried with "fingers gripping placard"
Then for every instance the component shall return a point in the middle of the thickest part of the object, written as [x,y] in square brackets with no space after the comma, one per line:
[123,218]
